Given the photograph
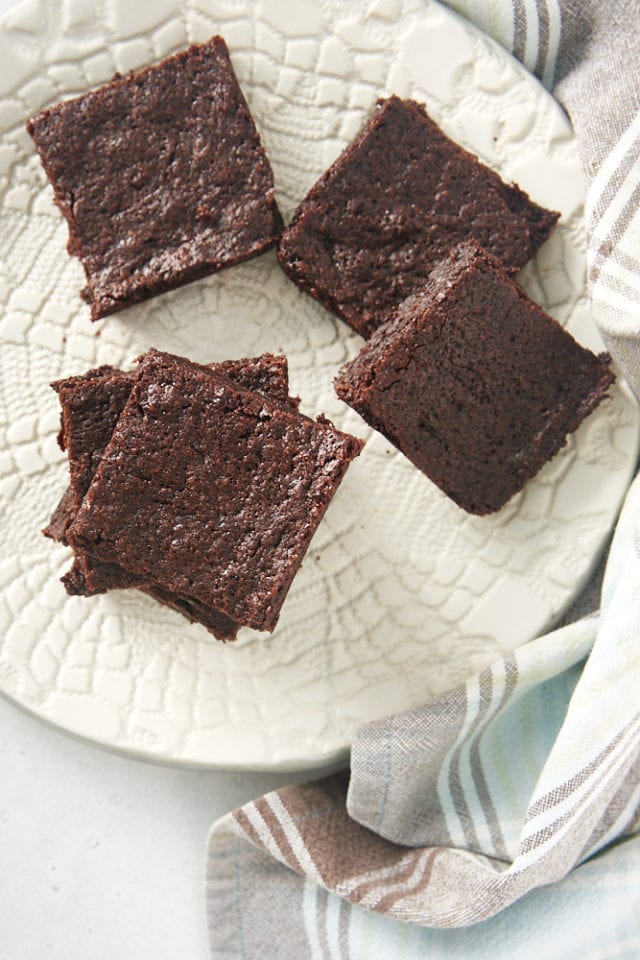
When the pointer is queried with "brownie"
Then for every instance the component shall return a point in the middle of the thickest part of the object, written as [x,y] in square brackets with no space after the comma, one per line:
[91,405]
[161,177]
[88,577]
[92,402]
[61,517]
[394,204]
[473,382]
[210,490]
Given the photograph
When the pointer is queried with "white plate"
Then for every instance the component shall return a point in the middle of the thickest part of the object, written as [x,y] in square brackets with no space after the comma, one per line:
[402,595]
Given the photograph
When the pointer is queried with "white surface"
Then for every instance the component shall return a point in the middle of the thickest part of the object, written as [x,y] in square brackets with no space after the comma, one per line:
[102,857]
[402,594]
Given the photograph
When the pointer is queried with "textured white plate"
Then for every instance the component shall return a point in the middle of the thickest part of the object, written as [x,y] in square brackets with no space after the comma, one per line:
[401,595]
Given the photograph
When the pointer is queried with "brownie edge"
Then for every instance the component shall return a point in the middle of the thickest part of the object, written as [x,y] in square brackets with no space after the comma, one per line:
[474,382]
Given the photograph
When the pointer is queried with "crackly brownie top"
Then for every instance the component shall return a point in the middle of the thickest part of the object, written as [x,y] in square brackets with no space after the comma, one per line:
[474,382]
[91,405]
[161,176]
[211,490]
[92,402]
[391,206]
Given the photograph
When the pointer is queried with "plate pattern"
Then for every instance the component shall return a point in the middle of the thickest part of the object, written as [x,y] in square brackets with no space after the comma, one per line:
[402,595]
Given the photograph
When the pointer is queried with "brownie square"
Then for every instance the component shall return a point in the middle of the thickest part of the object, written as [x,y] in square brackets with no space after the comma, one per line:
[91,405]
[210,490]
[473,382]
[394,204]
[161,177]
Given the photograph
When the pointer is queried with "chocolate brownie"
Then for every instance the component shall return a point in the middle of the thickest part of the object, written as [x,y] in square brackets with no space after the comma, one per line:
[392,205]
[473,382]
[87,577]
[161,177]
[210,490]
[61,517]
[91,405]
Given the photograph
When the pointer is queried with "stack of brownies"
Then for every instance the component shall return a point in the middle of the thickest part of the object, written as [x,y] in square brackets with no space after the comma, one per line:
[202,486]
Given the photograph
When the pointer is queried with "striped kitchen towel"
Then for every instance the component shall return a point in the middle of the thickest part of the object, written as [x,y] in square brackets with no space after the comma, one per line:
[454,811]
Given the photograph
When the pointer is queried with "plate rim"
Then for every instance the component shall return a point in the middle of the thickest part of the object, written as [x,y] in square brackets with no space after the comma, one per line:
[300,760]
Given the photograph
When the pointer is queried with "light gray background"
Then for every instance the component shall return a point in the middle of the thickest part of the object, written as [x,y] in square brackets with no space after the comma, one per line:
[102,857]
